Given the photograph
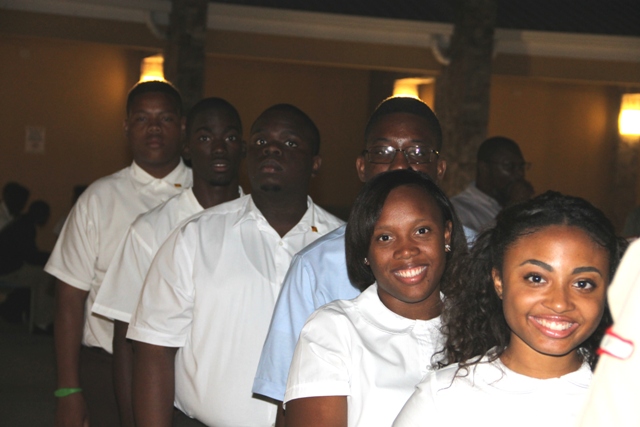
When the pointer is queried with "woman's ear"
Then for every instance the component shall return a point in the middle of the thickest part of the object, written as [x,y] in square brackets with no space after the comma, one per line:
[497,282]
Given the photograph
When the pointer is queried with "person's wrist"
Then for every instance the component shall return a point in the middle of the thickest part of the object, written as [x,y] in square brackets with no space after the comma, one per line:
[66,391]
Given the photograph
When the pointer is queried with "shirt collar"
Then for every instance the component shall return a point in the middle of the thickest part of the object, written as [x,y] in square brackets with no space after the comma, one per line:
[306,223]
[179,177]
[376,313]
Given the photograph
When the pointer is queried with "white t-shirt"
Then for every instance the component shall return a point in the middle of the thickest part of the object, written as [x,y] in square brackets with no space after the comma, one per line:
[120,290]
[361,349]
[615,395]
[211,290]
[96,225]
[493,395]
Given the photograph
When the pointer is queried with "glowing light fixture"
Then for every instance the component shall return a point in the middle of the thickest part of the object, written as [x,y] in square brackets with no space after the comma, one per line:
[151,68]
[629,120]
[410,87]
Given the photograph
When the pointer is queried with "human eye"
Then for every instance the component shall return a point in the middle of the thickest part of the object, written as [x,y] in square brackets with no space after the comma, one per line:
[232,138]
[584,284]
[260,141]
[204,138]
[383,238]
[423,230]
[380,151]
[168,118]
[291,144]
[534,278]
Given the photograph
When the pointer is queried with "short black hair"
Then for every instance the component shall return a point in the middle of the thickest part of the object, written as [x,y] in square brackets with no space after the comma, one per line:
[288,108]
[155,86]
[473,320]
[492,145]
[211,104]
[15,196]
[39,211]
[410,106]
[366,212]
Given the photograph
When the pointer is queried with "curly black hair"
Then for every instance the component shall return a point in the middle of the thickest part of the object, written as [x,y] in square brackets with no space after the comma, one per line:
[473,319]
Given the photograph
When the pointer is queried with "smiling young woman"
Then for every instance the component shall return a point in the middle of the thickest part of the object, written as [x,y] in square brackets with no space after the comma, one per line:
[525,315]
[358,361]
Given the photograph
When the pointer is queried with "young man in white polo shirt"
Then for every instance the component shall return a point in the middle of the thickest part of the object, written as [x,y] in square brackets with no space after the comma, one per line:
[215,147]
[210,291]
[90,236]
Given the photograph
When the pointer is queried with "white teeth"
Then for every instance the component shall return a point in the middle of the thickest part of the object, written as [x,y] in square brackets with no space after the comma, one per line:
[412,272]
[554,326]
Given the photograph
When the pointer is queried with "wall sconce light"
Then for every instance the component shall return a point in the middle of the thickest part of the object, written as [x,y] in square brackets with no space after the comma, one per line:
[629,120]
[151,68]
[410,87]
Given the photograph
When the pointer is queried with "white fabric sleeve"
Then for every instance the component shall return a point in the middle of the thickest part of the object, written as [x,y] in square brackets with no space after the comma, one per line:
[165,311]
[74,257]
[420,409]
[120,291]
[321,364]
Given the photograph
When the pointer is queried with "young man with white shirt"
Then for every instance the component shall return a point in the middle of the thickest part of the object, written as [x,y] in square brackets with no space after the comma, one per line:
[209,294]
[91,234]
[405,134]
[216,148]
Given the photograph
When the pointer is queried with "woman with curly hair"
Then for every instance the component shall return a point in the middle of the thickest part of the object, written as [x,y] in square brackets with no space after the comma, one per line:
[523,319]
[358,361]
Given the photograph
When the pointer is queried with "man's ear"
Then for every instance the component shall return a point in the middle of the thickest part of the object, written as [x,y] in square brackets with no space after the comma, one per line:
[441,169]
[125,126]
[497,282]
[315,167]
[360,166]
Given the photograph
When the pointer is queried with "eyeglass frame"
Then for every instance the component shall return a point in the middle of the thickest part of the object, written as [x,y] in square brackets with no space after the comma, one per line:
[367,154]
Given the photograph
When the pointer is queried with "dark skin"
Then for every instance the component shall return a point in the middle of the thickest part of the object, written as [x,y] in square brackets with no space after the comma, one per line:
[495,177]
[153,128]
[398,130]
[281,162]
[216,148]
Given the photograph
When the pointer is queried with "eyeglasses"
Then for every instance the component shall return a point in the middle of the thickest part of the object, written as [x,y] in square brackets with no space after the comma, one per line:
[384,154]
[513,166]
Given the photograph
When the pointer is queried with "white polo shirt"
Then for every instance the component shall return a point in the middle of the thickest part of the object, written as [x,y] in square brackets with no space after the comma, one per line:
[211,290]
[360,349]
[614,395]
[120,290]
[96,225]
[493,395]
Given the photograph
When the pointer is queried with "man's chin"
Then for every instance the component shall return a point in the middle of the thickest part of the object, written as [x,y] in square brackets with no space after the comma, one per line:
[271,187]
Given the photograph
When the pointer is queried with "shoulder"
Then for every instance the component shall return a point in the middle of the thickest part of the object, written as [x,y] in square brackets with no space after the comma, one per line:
[335,314]
[332,242]
[325,219]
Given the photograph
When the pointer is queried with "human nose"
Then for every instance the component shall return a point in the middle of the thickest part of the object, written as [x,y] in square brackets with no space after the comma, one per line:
[271,148]
[219,145]
[399,161]
[406,249]
[559,299]
[154,125]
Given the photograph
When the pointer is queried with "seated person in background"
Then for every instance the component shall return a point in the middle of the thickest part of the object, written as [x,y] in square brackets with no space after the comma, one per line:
[14,199]
[77,191]
[499,165]
[402,133]
[523,320]
[358,361]
[632,223]
[21,263]
[215,148]
[209,295]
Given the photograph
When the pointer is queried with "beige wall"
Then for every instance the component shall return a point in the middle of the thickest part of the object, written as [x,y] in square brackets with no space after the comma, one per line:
[76,91]
[563,129]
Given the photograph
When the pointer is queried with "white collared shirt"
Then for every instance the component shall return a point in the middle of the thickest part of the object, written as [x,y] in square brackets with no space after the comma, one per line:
[94,228]
[476,209]
[493,395]
[120,290]
[211,290]
[361,349]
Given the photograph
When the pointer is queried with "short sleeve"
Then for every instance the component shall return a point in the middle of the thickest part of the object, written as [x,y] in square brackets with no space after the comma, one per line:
[420,409]
[120,291]
[74,257]
[165,311]
[321,364]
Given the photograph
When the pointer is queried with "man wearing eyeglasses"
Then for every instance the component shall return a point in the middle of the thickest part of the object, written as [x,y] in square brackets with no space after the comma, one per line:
[403,133]
[499,178]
